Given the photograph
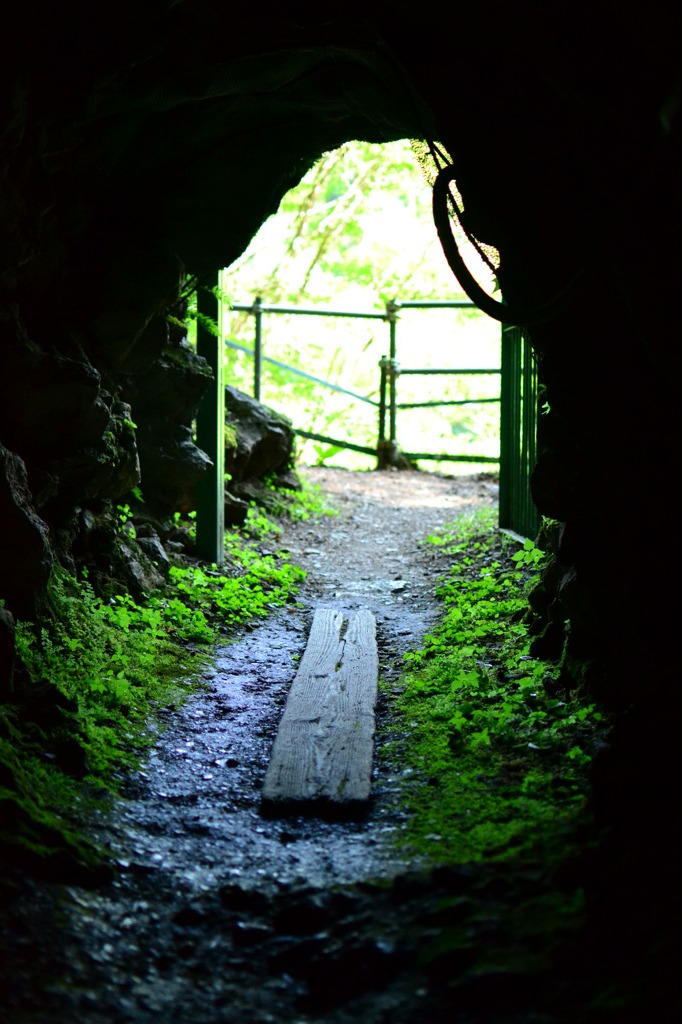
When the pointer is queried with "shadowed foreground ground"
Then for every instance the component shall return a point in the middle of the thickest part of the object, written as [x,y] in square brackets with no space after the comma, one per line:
[217,914]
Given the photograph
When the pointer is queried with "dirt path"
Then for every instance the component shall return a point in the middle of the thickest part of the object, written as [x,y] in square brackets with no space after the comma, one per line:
[216,914]
[371,553]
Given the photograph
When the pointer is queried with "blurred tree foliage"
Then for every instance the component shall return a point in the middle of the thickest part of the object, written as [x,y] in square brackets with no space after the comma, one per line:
[356,232]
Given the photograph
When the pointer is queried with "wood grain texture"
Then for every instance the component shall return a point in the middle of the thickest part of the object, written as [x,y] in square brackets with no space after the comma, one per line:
[322,755]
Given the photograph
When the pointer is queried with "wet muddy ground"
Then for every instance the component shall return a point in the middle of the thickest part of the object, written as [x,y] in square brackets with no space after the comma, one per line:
[218,914]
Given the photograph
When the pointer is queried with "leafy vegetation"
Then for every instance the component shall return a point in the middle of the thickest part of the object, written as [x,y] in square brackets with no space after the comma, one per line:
[494,757]
[307,503]
[96,669]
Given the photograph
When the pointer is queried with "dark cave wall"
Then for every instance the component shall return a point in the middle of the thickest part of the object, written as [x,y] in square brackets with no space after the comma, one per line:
[134,155]
[152,141]
[567,145]
[571,165]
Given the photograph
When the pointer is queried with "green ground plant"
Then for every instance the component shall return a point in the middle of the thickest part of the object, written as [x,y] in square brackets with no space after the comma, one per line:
[104,666]
[495,760]
[307,503]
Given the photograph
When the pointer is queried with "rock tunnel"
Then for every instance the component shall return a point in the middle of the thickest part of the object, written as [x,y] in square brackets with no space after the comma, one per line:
[144,143]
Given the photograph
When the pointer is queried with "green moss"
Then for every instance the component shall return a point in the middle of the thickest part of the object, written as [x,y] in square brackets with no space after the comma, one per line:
[95,671]
[494,759]
[109,663]
[38,801]
[231,435]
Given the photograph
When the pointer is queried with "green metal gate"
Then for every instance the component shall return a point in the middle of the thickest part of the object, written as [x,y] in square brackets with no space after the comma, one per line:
[518,433]
[518,420]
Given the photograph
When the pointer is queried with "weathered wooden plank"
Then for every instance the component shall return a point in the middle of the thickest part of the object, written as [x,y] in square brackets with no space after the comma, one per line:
[322,756]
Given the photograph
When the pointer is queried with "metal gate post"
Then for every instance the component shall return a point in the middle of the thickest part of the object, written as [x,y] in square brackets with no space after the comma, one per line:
[210,494]
[257,310]
[387,448]
[518,422]
[383,369]
[392,308]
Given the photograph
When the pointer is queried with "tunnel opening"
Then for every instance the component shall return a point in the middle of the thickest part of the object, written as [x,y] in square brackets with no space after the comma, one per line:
[356,235]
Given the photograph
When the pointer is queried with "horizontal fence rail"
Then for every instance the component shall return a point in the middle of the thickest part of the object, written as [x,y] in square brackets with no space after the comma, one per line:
[419,304]
[449,401]
[444,457]
[257,307]
[427,371]
[302,373]
[330,440]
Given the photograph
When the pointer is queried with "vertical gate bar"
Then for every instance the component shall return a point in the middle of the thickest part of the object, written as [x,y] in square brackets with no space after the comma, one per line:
[392,313]
[516,405]
[506,426]
[530,417]
[210,494]
[257,310]
[518,424]
[383,453]
[525,435]
[525,454]
[383,370]
[394,403]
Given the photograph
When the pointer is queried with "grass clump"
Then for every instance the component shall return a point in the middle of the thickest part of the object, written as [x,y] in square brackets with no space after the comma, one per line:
[108,662]
[308,502]
[496,758]
[257,581]
[94,671]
